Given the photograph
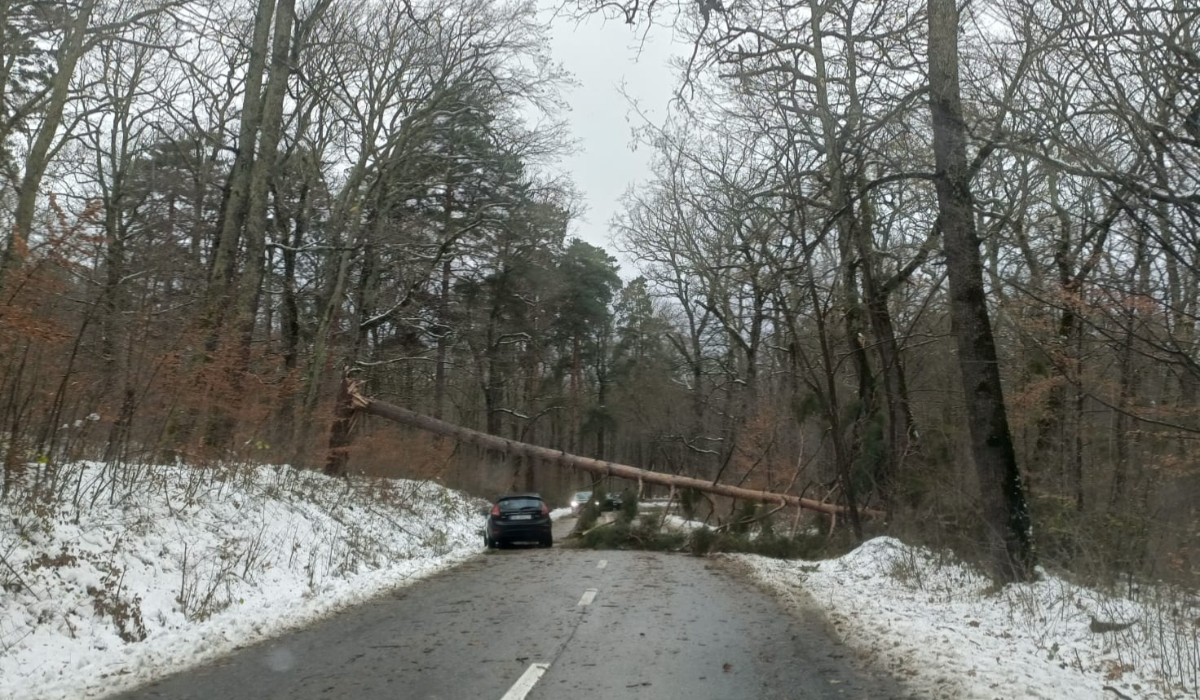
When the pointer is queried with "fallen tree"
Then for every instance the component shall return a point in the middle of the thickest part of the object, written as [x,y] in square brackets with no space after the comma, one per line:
[353,401]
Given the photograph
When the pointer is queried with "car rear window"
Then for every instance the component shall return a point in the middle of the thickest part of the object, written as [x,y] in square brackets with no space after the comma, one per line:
[520,503]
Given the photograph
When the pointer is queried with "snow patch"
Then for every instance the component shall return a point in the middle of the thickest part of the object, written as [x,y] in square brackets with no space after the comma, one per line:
[947,632]
[126,579]
[679,523]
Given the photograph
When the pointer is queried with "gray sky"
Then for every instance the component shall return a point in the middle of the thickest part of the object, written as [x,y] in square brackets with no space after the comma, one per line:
[603,55]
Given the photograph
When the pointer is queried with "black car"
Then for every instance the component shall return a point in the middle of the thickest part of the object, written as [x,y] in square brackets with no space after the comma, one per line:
[521,517]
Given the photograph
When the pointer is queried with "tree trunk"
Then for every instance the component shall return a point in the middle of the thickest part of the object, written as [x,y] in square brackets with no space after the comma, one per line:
[38,157]
[576,390]
[1005,511]
[899,418]
[341,433]
[367,295]
[1128,386]
[237,189]
[1050,445]
[443,340]
[833,410]
[322,339]
[290,308]
[270,129]
[602,381]
[513,448]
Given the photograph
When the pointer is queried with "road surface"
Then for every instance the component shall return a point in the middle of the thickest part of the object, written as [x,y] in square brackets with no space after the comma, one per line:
[537,624]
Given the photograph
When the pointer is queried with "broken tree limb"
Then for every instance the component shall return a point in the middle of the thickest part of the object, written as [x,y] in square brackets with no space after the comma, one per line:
[343,428]
[593,466]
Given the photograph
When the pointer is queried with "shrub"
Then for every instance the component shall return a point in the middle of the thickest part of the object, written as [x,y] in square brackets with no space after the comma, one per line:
[743,517]
[688,500]
[766,523]
[590,512]
[629,505]
[701,541]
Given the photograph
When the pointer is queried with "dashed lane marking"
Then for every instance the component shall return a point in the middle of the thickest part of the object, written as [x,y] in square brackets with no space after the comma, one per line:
[588,596]
[526,682]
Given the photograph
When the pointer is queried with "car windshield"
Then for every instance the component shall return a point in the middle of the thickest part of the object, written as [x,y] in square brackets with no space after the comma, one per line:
[918,346]
[520,503]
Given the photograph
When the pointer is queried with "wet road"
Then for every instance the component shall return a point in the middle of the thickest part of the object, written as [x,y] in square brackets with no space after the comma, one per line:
[552,624]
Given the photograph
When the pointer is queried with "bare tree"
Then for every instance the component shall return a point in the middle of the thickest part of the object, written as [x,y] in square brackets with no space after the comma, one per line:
[1006,512]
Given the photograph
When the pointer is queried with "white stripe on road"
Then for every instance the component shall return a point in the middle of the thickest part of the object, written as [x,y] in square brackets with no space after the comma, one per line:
[588,596]
[603,563]
[526,682]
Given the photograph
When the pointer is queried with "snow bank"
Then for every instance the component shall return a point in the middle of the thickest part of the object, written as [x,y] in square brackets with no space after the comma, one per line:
[681,524]
[947,632]
[172,566]
[560,513]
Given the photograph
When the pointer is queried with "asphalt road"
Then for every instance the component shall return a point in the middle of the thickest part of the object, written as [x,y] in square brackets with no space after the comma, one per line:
[569,623]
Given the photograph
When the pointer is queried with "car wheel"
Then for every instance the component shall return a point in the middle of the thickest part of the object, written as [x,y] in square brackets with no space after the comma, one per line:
[548,542]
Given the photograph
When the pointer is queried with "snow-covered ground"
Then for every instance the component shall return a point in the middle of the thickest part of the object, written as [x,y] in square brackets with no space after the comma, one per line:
[681,524]
[559,513]
[947,632]
[161,568]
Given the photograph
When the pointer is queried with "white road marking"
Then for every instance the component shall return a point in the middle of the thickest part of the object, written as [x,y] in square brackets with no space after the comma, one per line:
[603,563]
[526,682]
[588,596]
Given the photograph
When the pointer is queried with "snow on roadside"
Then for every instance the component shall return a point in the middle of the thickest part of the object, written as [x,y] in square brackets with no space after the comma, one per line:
[945,631]
[560,513]
[676,522]
[178,565]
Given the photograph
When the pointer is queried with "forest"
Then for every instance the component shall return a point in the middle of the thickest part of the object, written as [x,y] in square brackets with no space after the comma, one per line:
[936,260]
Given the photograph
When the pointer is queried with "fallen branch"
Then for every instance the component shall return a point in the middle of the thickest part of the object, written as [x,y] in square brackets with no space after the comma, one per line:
[590,530]
[593,466]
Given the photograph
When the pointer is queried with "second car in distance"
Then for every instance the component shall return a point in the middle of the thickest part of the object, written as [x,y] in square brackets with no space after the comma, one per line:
[579,500]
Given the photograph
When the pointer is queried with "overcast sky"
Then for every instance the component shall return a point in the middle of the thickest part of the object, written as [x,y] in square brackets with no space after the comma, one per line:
[603,56]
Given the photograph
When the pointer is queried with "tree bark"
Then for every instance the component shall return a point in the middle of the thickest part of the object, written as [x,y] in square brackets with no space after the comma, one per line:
[1005,511]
